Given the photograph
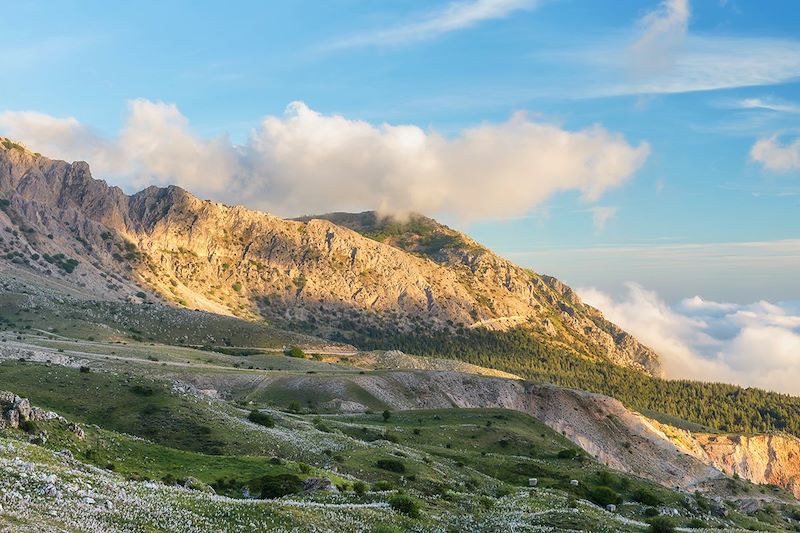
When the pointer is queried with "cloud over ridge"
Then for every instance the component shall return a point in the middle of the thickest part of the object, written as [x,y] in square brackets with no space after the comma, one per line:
[306,162]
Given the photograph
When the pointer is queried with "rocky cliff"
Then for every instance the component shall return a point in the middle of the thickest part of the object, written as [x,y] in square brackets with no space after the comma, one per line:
[321,275]
[766,459]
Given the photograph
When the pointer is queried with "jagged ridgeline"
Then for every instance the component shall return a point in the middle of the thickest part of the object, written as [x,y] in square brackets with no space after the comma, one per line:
[373,282]
[312,275]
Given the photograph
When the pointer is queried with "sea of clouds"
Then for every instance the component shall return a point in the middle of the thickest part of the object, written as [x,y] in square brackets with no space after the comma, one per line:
[754,345]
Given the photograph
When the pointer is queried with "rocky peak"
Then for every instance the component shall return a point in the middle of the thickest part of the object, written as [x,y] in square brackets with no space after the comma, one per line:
[323,275]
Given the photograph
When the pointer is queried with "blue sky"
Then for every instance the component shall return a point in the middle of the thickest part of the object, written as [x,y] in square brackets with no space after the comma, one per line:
[661,105]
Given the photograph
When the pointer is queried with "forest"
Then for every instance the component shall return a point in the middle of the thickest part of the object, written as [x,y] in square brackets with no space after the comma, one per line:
[720,406]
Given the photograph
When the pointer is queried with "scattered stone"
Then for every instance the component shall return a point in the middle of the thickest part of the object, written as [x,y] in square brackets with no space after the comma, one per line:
[319,483]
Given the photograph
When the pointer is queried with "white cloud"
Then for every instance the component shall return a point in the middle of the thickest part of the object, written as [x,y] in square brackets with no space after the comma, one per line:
[751,345]
[601,215]
[664,32]
[307,162]
[776,156]
[455,16]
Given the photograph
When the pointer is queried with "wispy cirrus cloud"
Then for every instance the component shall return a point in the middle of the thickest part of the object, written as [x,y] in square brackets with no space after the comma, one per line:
[601,214]
[768,104]
[663,33]
[661,55]
[454,16]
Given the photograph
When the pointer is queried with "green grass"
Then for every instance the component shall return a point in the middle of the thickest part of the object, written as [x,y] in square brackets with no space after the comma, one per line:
[122,403]
[508,446]
[311,391]
[116,321]
[140,459]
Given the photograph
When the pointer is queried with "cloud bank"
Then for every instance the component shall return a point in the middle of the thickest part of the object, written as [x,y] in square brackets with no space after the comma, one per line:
[775,155]
[754,345]
[455,16]
[309,162]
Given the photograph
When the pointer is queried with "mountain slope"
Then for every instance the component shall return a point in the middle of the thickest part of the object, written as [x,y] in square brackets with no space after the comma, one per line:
[312,275]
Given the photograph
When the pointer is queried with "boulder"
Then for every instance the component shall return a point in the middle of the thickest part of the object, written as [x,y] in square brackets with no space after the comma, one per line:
[319,483]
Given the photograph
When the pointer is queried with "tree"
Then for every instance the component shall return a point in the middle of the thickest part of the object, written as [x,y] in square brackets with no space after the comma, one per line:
[386,415]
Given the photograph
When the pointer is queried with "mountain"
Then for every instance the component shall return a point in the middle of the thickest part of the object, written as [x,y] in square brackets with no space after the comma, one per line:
[354,277]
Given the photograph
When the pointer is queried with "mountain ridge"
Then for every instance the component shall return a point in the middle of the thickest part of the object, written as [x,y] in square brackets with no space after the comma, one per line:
[310,273]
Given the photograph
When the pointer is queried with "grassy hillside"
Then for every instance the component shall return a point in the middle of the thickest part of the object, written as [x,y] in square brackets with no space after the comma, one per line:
[466,469]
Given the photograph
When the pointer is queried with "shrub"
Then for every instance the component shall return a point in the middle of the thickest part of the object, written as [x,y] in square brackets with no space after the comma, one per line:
[237,286]
[603,495]
[403,503]
[279,485]
[392,465]
[295,351]
[647,497]
[661,524]
[359,487]
[260,418]
[386,415]
[568,453]
[85,369]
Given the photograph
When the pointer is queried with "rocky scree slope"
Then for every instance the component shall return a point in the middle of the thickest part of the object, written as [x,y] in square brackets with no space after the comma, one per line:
[313,274]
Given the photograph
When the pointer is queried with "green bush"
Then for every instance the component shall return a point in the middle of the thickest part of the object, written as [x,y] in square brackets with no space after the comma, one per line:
[279,485]
[403,503]
[568,453]
[661,524]
[386,415]
[295,351]
[603,495]
[392,465]
[647,497]
[237,286]
[260,418]
[359,487]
